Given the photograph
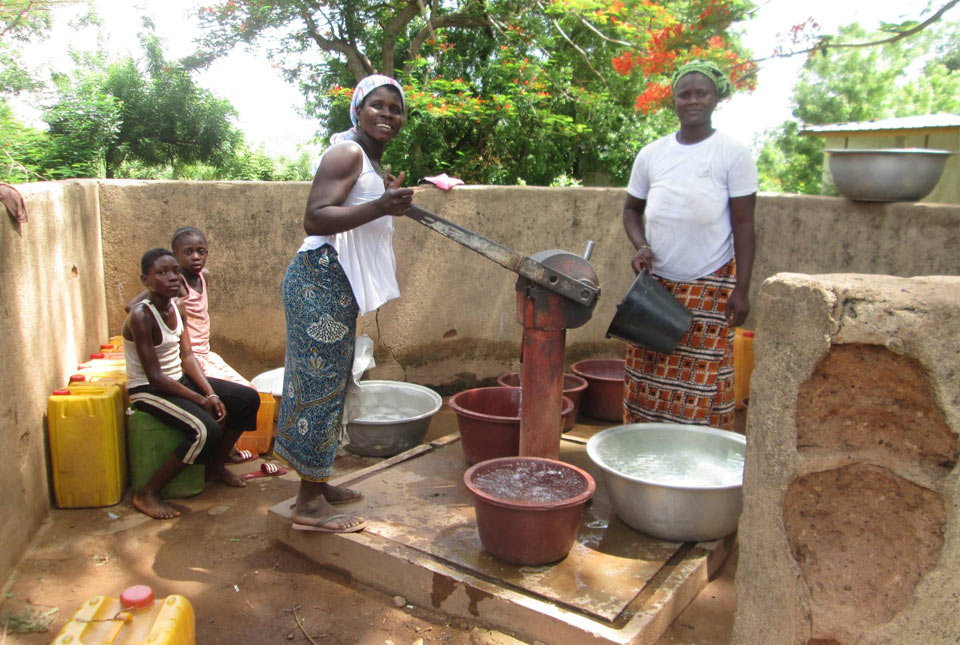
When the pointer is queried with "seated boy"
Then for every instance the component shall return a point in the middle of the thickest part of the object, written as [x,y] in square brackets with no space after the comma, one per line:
[165,381]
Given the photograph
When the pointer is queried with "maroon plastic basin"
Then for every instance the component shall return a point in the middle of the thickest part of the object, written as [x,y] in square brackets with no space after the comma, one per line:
[489,421]
[528,509]
[573,387]
[603,398]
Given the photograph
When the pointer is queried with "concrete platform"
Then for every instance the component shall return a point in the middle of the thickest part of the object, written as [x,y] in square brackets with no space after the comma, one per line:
[421,542]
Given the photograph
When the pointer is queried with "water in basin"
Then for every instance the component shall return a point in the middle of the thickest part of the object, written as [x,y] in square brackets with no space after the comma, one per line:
[386,412]
[530,482]
[684,468]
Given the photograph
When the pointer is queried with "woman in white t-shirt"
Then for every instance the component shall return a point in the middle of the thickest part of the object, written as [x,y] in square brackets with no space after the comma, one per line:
[689,214]
[344,267]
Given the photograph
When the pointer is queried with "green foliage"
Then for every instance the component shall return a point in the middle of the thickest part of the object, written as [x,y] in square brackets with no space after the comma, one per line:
[164,117]
[499,91]
[84,123]
[21,21]
[123,118]
[23,150]
[859,84]
[790,163]
[244,165]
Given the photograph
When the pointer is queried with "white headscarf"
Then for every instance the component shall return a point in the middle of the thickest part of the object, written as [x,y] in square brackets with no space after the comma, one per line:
[364,87]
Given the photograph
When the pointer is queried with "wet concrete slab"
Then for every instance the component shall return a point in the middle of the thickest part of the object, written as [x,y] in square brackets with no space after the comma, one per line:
[421,542]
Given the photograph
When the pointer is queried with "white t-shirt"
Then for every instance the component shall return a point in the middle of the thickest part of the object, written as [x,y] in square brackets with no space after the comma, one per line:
[687,189]
[365,252]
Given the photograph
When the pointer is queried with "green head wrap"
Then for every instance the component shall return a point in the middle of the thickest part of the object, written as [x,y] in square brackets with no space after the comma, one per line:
[711,71]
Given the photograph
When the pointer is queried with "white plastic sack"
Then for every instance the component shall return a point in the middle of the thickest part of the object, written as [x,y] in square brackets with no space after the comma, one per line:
[272,381]
[362,361]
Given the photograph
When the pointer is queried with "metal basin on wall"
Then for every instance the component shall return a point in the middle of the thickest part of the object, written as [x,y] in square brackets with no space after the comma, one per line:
[886,174]
[394,416]
[673,481]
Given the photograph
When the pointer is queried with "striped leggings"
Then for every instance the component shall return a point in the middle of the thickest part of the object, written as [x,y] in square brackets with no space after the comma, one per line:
[201,431]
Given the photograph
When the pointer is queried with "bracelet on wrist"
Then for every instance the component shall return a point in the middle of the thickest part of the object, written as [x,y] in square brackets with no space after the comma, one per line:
[211,396]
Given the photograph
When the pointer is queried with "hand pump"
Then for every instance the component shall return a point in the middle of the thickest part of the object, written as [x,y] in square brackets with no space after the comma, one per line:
[556,291]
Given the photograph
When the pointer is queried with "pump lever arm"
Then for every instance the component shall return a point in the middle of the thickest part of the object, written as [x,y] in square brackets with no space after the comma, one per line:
[584,292]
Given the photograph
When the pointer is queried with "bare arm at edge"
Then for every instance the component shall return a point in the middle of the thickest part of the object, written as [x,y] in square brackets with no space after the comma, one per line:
[742,210]
[633,209]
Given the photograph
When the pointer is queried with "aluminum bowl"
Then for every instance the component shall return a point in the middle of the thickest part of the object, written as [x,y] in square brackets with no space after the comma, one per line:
[887,174]
[695,506]
[394,416]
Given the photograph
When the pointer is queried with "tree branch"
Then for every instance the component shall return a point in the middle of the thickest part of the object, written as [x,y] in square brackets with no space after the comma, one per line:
[15,22]
[451,20]
[392,31]
[358,64]
[823,46]
[607,38]
[586,58]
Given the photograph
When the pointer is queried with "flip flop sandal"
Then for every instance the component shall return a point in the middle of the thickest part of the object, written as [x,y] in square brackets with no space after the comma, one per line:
[242,456]
[266,470]
[326,520]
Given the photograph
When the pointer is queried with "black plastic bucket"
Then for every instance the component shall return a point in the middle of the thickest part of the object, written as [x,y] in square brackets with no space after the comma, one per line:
[650,317]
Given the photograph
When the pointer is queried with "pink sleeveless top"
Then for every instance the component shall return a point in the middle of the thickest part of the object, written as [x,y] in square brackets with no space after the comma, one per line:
[198,318]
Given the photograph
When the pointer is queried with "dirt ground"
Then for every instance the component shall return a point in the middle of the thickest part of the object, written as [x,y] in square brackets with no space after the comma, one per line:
[246,589]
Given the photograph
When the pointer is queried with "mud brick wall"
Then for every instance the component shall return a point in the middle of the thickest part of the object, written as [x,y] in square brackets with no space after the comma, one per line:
[850,526]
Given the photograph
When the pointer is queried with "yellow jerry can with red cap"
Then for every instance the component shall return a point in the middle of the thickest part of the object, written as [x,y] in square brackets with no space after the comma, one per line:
[135,618]
[88,454]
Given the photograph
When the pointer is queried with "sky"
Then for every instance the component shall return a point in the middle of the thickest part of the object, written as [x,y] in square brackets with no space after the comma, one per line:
[270,109]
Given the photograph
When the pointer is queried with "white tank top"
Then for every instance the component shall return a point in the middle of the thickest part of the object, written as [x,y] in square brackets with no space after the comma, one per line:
[365,252]
[168,351]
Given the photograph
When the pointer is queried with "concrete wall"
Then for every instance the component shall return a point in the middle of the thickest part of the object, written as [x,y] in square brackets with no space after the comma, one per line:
[53,315]
[456,322]
[947,190]
[454,326]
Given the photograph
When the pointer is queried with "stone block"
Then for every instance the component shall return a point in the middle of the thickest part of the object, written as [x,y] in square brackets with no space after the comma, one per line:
[850,531]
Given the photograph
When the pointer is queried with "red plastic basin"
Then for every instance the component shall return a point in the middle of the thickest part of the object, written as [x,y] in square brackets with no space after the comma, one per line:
[573,387]
[528,508]
[603,398]
[489,421]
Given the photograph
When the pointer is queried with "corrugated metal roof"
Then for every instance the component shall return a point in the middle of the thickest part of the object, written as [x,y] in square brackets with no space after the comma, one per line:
[923,121]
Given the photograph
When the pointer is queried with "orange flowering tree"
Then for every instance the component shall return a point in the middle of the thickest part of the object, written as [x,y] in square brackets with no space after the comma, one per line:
[499,91]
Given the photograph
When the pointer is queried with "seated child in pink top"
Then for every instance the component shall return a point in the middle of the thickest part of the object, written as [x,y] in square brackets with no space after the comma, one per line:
[189,245]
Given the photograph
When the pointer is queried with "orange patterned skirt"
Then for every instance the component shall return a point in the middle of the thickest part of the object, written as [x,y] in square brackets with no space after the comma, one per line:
[694,384]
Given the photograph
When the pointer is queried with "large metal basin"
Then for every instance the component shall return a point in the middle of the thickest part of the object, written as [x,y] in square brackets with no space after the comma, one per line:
[394,416]
[672,481]
[886,174]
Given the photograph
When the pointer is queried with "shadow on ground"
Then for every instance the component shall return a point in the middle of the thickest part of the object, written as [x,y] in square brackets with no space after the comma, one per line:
[245,589]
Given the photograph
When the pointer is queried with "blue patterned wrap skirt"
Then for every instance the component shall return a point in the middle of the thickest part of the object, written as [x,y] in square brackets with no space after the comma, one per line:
[321,315]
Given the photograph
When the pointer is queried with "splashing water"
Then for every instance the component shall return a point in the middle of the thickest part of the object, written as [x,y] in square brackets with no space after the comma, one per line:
[688,468]
[371,413]
[530,482]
